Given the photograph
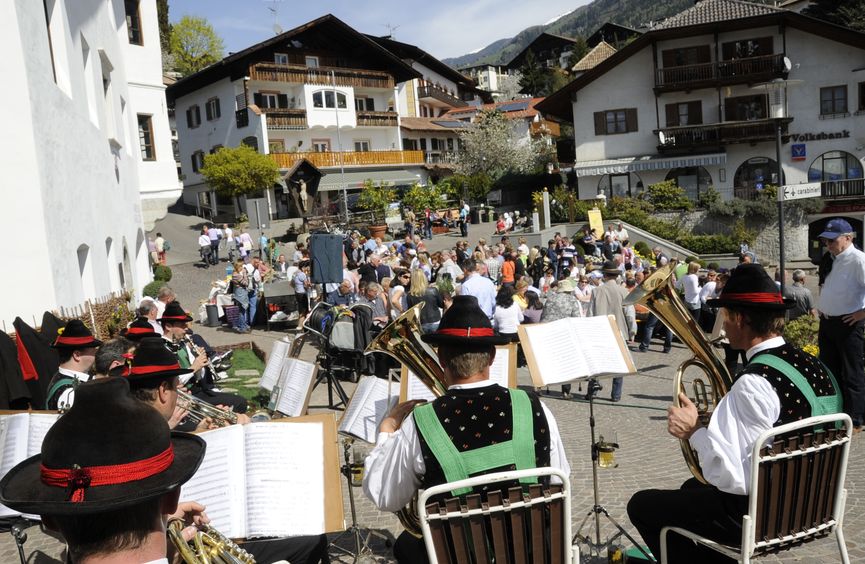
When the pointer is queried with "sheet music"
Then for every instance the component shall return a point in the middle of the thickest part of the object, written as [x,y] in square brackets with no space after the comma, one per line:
[220,481]
[40,423]
[605,354]
[500,369]
[294,384]
[417,390]
[13,439]
[371,401]
[275,362]
[285,490]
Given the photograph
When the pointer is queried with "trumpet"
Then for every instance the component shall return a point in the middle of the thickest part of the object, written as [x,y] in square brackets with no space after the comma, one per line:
[200,410]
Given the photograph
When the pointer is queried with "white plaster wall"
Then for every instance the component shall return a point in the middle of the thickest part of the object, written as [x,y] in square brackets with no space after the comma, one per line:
[328,116]
[63,187]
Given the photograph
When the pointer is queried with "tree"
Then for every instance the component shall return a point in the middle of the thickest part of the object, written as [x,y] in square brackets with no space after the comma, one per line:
[376,198]
[234,172]
[419,197]
[164,25]
[509,86]
[194,44]
[578,50]
[491,147]
[848,13]
[534,78]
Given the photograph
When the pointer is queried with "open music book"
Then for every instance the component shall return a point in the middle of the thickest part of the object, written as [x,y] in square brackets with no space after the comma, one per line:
[371,401]
[290,395]
[21,435]
[575,348]
[502,372]
[279,478]
[275,361]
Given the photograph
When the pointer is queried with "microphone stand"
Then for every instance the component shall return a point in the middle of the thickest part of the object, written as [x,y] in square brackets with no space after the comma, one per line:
[362,552]
[596,546]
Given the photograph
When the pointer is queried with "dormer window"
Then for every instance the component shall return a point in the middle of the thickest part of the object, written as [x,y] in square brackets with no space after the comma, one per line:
[325,99]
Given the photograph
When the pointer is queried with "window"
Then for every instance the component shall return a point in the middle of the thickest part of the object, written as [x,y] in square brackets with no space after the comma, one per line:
[746,48]
[280,58]
[611,122]
[193,117]
[215,149]
[409,144]
[861,107]
[251,141]
[276,146]
[197,160]
[361,145]
[626,185]
[364,104]
[450,143]
[833,100]
[693,180]
[321,145]
[746,108]
[312,62]
[269,99]
[686,56]
[834,166]
[684,113]
[133,22]
[211,109]
[145,138]
[754,175]
[325,99]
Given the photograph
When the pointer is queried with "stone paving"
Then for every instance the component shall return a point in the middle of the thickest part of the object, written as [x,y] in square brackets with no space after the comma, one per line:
[648,457]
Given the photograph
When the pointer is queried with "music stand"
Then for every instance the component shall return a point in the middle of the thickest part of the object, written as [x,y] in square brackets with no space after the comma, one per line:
[595,547]
[323,359]
[362,552]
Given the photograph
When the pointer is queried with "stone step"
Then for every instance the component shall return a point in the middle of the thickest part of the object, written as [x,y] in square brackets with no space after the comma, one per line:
[229,390]
[250,385]
[232,379]
[245,373]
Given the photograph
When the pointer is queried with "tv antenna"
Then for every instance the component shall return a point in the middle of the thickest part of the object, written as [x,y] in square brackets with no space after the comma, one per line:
[390,29]
[277,29]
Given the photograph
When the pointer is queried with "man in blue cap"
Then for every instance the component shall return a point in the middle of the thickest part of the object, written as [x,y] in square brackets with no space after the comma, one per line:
[842,317]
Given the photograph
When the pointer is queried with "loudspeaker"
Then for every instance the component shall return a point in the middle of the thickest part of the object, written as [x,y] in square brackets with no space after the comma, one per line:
[325,253]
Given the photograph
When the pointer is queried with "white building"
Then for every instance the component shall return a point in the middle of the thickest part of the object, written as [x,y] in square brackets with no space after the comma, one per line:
[488,77]
[90,160]
[689,101]
[321,92]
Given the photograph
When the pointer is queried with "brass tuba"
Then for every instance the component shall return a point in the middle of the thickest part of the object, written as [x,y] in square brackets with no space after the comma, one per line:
[400,339]
[208,546]
[658,295]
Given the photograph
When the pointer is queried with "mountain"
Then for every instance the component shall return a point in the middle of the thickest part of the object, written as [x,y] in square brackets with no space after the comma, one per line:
[583,21]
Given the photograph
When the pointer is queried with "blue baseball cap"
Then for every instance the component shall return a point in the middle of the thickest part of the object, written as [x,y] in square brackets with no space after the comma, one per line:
[836,227]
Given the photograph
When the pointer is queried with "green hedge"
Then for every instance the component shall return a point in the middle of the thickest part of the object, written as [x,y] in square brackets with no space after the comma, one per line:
[153,288]
[162,272]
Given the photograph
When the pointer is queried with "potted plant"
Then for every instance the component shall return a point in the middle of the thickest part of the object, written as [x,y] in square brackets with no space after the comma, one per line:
[376,198]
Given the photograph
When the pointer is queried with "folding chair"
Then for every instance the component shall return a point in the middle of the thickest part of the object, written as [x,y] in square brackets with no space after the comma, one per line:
[797,489]
[518,525]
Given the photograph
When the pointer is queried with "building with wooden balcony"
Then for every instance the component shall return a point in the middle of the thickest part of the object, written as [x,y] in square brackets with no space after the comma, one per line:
[693,101]
[321,93]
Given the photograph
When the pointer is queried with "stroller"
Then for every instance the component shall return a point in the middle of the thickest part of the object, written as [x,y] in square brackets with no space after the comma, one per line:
[344,333]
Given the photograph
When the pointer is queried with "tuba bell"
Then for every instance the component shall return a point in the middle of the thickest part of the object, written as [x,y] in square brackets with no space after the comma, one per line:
[401,340]
[658,295]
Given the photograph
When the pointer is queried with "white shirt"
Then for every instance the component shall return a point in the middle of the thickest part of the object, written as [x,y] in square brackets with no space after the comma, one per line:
[691,285]
[621,234]
[229,234]
[203,240]
[393,470]
[708,291]
[507,319]
[67,398]
[746,411]
[844,289]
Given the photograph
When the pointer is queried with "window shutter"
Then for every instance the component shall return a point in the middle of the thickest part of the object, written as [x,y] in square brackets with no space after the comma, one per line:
[216,109]
[695,113]
[207,111]
[197,116]
[704,54]
[282,100]
[668,58]
[631,119]
[256,98]
[672,111]
[600,123]
[189,117]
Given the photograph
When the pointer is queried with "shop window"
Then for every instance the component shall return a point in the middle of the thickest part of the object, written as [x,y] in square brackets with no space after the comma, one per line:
[622,185]
[694,180]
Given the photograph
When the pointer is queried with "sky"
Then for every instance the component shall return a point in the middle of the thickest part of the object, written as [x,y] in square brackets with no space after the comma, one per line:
[443,28]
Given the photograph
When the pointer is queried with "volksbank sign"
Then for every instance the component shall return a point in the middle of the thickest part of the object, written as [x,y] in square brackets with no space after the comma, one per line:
[821,136]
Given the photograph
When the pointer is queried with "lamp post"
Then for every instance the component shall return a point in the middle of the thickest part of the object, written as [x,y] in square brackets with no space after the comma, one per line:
[339,146]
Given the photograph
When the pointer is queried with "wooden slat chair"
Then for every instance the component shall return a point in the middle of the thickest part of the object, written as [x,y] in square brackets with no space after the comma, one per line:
[797,489]
[531,526]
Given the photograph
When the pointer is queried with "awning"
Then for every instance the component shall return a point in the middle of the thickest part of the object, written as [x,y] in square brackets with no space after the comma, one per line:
[354,180]
[646,162]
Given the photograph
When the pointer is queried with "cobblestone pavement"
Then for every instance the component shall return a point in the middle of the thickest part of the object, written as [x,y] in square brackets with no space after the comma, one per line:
[648,457]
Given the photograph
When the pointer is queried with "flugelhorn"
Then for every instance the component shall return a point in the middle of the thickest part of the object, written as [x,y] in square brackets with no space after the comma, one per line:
[208,546]
[658,295]
[401,340]
[200,410]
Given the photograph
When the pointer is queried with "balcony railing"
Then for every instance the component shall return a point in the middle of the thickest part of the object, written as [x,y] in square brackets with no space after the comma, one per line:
[545,127]
[285,118]
[429,91]
[300,74]
[836,189]
[751,69]
[350,159]
[384,119]
[440,157]
[716,134]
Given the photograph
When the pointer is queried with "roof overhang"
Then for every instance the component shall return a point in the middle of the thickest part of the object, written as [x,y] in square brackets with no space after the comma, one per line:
[646,162]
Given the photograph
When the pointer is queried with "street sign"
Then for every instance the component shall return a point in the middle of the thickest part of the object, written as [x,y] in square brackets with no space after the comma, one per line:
[799,191]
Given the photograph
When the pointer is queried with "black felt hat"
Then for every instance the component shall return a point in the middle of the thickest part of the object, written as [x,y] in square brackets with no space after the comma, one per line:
[139,329]
[75,335]
[153,363]
[750,286]
[610,267]
[175,312]
[108,451]
[465,323]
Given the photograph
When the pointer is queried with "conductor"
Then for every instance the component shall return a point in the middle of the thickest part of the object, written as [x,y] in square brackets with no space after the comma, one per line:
[420,446]
[780,384]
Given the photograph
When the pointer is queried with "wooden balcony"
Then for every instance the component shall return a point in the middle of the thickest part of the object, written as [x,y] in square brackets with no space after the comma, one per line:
[545,127]
[350,159]
[300,74]
[706,75]
[377,119]
[430,92]
[686,138]
[285,118]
